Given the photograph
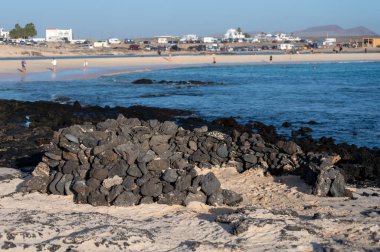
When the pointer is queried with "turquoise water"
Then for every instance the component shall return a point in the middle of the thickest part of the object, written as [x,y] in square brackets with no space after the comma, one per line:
[344,98]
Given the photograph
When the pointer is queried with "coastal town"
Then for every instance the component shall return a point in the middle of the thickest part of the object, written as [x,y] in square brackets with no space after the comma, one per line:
[233,41]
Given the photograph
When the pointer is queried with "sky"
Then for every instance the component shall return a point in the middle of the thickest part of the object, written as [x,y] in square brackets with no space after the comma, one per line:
[103,19]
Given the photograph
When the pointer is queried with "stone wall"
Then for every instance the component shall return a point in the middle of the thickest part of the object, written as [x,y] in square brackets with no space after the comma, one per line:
[127,161]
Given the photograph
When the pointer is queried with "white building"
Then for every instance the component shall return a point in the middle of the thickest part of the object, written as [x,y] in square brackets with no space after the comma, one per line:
[209,40]
[57,35]
[234,34]
[166,39]
[285,46]
[101,44]
[4,33]
[189,38]
[329,42]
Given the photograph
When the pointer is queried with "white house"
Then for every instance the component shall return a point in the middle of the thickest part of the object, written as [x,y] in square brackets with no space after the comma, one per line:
[166,39]
[101,44]
[4,33]
[285,46]
[57,35]
[329,42]
[209,40]
[234,34]
[189,38]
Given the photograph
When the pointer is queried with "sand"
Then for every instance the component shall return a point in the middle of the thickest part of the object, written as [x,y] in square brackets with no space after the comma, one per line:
[278,212]
[127,64]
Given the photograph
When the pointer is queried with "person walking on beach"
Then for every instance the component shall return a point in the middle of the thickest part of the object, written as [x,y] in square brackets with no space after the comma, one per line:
[213,59]
[54,64]
[270,59]
[23,66]
[85,64]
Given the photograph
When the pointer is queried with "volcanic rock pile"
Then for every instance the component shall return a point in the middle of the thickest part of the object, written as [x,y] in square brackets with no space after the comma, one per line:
[126,162]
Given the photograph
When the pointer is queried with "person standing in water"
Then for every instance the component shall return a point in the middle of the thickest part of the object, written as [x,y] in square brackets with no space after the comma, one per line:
[23,66]
[270,59]
[54,64]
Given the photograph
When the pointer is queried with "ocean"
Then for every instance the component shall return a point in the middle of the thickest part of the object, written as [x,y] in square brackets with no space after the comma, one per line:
[343,98]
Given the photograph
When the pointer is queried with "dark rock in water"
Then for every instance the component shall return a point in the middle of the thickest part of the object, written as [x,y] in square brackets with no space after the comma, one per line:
[226,122]
[305,130]
[287,124]
[231,198]
[143,81]
[210,184]
[312,122]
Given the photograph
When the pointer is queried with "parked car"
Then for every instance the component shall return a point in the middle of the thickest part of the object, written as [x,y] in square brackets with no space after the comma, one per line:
[129,41]
[134,47]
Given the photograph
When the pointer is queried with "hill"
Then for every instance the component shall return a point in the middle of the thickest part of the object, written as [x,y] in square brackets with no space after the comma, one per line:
[335,31]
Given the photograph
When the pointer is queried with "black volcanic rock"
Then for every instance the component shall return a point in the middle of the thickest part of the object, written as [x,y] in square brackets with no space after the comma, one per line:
[143,81]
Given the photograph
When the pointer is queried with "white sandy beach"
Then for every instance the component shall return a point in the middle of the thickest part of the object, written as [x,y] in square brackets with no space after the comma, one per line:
[125,64]
[278,213]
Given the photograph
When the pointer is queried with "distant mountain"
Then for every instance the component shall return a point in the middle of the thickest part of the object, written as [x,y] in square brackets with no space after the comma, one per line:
[335,31]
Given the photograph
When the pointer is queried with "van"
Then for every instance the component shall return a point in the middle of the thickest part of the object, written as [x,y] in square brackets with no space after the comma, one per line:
[114,41]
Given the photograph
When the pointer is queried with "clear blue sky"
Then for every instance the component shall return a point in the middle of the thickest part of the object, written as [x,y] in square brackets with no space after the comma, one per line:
[140,18]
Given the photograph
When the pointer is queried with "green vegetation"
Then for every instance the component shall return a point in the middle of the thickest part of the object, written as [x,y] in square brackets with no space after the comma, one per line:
[246,34]
[19,32]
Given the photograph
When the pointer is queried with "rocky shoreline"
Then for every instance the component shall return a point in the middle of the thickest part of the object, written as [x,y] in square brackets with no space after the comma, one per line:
[27,126]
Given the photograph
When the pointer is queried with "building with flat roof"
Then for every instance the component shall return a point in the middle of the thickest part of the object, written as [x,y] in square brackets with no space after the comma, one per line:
[371,42]
[58,35]
[4,33]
